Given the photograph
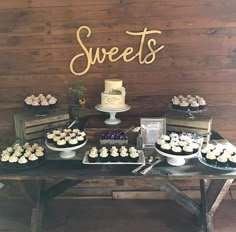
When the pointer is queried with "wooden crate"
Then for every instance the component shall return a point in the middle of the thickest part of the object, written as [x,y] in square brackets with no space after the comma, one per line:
[29,127]
[180,122]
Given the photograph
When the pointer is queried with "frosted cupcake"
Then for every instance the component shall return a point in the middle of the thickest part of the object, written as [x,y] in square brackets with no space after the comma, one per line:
[93,156]
[114,156]
[175,103]
[194,106]
[124,156]
[202,104]
[232,161]
[103,155]
[184,105]
[134,156]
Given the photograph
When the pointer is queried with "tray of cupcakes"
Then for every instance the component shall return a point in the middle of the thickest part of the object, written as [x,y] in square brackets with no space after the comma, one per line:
[195,104]
[179,144]
[40,105]
[21,157]
[218,156]
[65,139]
[114,155]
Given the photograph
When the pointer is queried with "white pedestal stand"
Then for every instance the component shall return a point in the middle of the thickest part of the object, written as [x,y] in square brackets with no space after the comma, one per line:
[176,160]
[65,153]
[112,120]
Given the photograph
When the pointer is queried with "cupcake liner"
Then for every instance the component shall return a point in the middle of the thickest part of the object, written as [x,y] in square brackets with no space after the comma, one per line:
[232,164]
[92,159]
[183,108]
[210,161]
[194,108]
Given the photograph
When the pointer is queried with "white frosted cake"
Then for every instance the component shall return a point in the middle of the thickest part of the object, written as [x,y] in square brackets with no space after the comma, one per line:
[113,96]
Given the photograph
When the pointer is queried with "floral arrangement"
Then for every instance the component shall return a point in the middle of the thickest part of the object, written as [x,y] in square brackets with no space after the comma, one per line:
[77,94]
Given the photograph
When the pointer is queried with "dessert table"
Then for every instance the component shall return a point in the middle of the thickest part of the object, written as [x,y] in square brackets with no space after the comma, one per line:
[214,184]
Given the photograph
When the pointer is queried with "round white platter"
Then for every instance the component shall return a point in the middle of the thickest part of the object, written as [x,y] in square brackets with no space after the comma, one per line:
[176,160]
[203,161]
[112,120]
[65,153]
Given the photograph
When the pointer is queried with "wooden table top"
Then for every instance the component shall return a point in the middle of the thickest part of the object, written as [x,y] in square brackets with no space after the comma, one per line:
[55,167]
[74,169]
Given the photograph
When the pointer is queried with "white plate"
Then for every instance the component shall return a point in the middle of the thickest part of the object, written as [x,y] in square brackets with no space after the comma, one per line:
[141,160]
[203,161]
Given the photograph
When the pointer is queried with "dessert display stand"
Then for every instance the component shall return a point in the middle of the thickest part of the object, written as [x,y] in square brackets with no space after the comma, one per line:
[65,153]
[189,112]
[112,120]
[176,160]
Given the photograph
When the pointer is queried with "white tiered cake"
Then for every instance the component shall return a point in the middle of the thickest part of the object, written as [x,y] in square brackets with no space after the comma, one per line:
[113,96]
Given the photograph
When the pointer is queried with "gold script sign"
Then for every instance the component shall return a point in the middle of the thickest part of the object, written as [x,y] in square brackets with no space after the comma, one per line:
[114,54]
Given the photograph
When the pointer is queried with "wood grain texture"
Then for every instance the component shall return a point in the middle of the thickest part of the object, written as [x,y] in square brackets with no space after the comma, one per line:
[38,41]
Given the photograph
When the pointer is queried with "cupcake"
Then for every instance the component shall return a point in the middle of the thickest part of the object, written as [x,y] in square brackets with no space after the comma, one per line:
[123,149]
[232,161]
[73,142]
[132,149]
[166,138]
[204,152]
[222,161]
[93,156]
[13,159]
[175,103]
[33,157]
[114,149]
[5,157]
[188,150]
[159,143]
[50,137]
[194,106]
[176,150]
[195,147]
[80,139]
[114,156]
[211,159]
[165,147]
[134,156]
[184,105]
[22,160]
[202,104]
[61,143]
[124,156]
[103,155]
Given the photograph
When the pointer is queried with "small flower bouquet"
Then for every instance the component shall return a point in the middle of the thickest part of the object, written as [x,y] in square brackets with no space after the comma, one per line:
[77,94]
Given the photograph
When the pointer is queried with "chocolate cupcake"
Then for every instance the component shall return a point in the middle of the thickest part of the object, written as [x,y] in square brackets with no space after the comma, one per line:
[202,104]
[114,156]
[61,143]
[103,155]
[165,147]
[195,147]
[194,106]
[232,161]
[73,142]
[211,158]
[222,161]
[184,106]
[50,137]
[134,156]
[124,156]
[93,156]
[175,103]
[176,150]
[188,150]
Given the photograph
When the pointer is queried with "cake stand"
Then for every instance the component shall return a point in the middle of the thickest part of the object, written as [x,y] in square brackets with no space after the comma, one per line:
[189,112]
[176,160]
[65,153]
[112,120]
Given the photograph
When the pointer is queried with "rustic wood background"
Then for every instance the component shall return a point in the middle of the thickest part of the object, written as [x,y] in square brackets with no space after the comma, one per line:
[37,42]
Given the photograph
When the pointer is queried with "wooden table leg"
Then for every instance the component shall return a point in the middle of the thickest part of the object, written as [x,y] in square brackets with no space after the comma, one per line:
[211,198]
[181,198]
[37,212]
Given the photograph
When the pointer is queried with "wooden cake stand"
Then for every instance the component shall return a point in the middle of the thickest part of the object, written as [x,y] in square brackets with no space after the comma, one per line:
[112,120]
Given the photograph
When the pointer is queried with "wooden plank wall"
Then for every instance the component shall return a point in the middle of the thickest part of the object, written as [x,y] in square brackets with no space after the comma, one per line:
[37,42]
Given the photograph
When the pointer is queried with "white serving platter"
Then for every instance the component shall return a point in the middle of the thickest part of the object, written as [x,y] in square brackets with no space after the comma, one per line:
[141,160]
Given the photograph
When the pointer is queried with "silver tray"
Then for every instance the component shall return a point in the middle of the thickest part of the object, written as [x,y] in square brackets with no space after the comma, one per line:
[203,161]
[141,160]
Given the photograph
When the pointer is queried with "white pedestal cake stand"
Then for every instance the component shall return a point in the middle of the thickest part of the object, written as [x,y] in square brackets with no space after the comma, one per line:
[65,153]
[176,160]
[112,120]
